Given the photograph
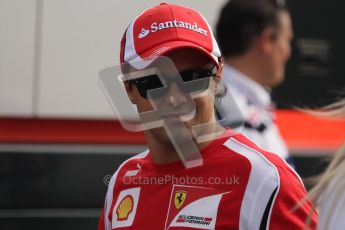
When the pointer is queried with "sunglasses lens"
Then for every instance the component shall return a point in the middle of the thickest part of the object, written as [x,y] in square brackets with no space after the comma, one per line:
[194,80]
[197,80]
[148,83]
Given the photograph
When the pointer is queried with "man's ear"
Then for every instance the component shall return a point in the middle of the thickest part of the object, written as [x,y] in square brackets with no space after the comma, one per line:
[265,40]
[219,71]
[130,91]
[218,77]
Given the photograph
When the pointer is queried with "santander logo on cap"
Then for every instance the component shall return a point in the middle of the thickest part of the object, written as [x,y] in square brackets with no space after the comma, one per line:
[167,27]
[143,33]
[172,24]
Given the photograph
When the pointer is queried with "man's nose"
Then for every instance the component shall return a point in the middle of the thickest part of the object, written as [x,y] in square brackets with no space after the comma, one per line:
[175,96]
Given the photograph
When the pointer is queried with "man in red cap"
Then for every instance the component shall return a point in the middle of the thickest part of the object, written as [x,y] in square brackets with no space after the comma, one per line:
[223,181]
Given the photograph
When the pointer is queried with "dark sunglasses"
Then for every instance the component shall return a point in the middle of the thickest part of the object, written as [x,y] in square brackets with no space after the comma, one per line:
[194,80]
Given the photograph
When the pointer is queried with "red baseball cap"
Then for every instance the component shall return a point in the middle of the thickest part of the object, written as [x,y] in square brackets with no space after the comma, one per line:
[164,28]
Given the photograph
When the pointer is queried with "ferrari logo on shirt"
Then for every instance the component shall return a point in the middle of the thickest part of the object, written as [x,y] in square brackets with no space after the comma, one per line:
[180,197]
[199,211]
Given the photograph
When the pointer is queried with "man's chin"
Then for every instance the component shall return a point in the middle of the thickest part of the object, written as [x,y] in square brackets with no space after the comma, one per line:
[173,129]
[276,81]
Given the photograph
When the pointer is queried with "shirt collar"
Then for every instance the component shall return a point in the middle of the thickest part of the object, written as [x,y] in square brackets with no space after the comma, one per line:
[253,90]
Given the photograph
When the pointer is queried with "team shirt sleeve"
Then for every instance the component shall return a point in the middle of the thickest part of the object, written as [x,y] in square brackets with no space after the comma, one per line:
[101,224]
[287,210]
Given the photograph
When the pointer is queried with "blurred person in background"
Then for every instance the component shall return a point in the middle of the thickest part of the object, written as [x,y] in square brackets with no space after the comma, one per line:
[266,189]
[254,37]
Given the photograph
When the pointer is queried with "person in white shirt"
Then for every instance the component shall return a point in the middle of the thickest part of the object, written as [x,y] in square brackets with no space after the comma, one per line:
[254,37]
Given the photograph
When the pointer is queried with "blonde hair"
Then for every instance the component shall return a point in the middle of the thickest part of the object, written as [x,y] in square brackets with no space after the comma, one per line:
[335,170]
[335,110]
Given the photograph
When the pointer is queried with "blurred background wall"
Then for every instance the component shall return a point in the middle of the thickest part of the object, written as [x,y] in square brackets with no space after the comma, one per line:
[52,51]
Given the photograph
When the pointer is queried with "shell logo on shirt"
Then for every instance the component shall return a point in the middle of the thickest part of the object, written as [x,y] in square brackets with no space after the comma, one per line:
[180,197]
[125,208]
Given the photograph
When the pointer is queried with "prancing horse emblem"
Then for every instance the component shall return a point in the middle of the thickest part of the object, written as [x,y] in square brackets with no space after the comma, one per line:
[180,197]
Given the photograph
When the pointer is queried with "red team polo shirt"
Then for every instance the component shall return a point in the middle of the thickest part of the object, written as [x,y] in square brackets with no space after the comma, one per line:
[239,186]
